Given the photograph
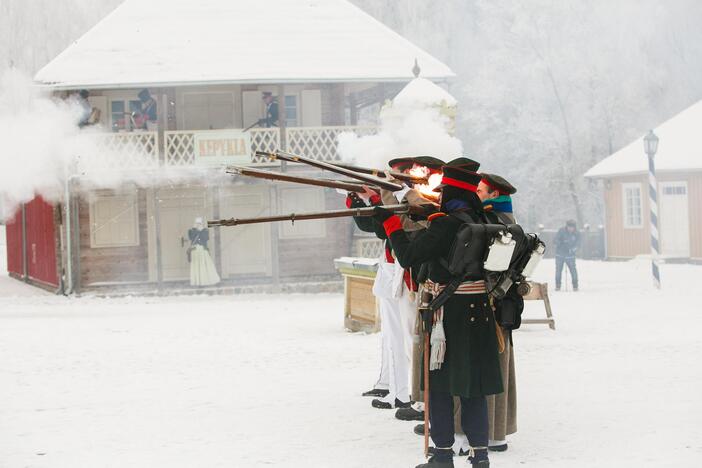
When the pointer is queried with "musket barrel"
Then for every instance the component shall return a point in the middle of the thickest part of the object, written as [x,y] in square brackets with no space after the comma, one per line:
[382,174]
[260,174]
[367,179]
[368,211]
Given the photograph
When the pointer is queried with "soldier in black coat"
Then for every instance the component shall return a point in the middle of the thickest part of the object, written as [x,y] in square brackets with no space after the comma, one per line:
[470,368]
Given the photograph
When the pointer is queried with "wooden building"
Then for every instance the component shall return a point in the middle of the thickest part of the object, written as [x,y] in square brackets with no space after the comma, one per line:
[207,65]
[624,175]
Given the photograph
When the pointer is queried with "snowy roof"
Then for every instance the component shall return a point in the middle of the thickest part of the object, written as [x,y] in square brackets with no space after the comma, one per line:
[678,148]
[424,92]
[182,42]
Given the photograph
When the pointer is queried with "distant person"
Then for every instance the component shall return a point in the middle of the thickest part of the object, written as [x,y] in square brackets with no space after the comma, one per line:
[202,269]
[271,119]
[567,243]
[88,114]
[149,112]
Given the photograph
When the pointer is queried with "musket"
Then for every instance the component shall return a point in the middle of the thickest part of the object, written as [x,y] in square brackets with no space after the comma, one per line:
[367,211]
[383,174]
[367,179]
[260,174]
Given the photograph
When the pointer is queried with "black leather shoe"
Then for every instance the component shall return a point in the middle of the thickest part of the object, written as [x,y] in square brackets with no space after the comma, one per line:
[376,392]
[409,414]
[384,405]
[498,448]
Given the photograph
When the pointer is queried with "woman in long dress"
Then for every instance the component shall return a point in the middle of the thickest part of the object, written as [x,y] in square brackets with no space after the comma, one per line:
[202,268]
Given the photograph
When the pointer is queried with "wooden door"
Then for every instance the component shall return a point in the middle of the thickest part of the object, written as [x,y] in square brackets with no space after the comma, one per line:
[178,209]
[674,219]
[246,250]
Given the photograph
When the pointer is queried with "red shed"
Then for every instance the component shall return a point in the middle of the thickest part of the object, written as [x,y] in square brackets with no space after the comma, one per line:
[32,244]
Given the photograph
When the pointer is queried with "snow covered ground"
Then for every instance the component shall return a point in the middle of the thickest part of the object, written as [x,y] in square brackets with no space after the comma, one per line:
[274,381]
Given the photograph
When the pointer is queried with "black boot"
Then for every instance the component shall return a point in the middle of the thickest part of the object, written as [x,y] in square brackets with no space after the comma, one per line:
[376,392]
[479,458]
[442,458]
[419,429]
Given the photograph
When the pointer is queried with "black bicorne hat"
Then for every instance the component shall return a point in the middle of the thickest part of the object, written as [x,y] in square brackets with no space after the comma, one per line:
[429,161]
[498,183]
[458,177]
[402,163]
[465,163]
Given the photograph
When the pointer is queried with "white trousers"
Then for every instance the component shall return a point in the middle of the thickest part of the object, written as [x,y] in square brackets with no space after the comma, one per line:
[397,322]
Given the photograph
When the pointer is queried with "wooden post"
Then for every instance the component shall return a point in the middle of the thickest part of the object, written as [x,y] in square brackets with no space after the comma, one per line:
[353,109]
[217,230]
[281,123]
[77,277]
[275,257]
[162,122]
[25,263]
[157,227]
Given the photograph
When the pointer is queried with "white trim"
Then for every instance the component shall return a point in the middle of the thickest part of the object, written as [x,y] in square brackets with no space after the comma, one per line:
[625,208]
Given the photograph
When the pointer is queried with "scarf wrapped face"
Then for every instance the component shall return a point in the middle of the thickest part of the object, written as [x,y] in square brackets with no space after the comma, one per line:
[454,198]
[501,204]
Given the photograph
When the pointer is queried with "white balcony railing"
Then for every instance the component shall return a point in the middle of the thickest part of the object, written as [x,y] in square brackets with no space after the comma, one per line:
[139,149]
[124,150]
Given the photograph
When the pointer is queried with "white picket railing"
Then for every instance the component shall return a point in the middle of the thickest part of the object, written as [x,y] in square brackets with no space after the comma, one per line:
[124,150]
[139,149]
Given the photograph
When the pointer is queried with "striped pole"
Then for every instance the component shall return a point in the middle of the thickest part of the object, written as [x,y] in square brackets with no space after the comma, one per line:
[651,146]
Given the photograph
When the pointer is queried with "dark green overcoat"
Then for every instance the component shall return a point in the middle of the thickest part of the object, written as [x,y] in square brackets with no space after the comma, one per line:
[471,365]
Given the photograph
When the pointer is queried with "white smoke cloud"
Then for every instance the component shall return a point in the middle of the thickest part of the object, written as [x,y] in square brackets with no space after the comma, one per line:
[406,131]
[42,146]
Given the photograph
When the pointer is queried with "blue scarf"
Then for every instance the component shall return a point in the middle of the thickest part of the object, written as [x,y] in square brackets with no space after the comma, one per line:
[501,204]
[456,204]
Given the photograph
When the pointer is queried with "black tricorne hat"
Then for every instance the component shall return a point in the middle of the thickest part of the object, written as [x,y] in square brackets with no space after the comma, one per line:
[429,162]
[458,177]
[464,163]
[498,183]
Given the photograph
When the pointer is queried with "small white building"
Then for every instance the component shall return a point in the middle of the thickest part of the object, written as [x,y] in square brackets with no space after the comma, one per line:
[206,64]
[679,173]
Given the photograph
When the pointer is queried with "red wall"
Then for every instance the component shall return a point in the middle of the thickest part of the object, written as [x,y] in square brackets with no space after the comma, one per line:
[41,242]
[14,244]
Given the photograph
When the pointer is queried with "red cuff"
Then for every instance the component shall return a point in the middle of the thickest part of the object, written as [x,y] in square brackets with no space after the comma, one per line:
[348,202]
[375,199]
[392,224]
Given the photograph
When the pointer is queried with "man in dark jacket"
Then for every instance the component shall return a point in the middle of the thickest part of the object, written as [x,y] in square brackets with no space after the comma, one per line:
[469,367]
[567,243]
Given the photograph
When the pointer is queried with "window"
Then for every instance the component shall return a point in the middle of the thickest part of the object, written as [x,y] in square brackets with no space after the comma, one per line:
[114,220]
[633,212]
[675,190]
[291,111]
[120,113]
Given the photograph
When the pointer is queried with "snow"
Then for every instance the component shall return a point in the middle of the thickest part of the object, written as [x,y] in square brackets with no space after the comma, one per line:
[678,148]
[253,381]
[421,91]
[169,42]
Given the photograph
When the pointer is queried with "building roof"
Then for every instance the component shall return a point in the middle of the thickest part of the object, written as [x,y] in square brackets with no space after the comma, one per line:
[182,42]
[679,148]
[423,92]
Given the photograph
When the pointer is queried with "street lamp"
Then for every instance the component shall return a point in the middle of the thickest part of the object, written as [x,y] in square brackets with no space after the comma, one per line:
[651,147]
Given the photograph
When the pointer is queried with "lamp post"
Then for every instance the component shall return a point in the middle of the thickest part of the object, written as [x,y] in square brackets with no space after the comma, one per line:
[651,146]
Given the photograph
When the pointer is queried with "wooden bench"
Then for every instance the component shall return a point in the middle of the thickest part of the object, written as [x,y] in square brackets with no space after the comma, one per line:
[539,292]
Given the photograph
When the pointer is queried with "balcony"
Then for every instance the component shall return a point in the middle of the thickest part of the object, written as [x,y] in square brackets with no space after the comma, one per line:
[146,150]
